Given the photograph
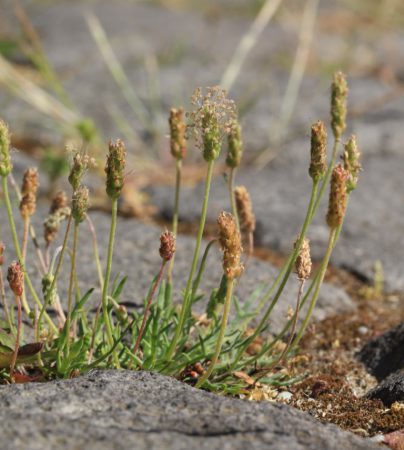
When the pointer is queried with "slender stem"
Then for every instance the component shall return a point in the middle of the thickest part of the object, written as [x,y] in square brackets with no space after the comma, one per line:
[219,342]
[107,321]
[19,254]
[95,249]
[4,303]
[202,265]
[291,336]
[71,282]
[17,339]
[57,271]
[147,309]
[232,197]
[323,269]
[25,239]
[178,171]
[24,253]
[184,308]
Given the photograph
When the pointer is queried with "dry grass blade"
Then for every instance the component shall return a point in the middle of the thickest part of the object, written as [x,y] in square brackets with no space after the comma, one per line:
[279,131]
[247,42]
[35,96]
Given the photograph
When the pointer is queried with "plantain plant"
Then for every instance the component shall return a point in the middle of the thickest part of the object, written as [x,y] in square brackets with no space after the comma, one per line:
[208,350]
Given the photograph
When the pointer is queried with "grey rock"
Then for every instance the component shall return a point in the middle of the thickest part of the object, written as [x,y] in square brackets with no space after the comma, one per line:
[390,390]
[384,355]
[140,410]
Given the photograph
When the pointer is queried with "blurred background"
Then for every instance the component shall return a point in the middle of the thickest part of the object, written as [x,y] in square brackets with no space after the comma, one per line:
[91,70]
[79,72]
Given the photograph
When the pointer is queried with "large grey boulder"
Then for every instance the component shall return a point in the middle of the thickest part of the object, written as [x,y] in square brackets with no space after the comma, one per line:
[139,410]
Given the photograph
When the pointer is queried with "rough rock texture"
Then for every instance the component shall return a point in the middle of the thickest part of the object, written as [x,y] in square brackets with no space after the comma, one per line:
[136,255]
[139,410]
[390,390]
[384,355]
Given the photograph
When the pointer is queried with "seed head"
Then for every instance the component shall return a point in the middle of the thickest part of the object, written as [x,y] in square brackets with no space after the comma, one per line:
[351,162]
[80,204]
[211,120]
[318,150]
[338,197]
[29,189]
[244,209]
[230,243]
[178,143]
[81,163]
[303,260]
[59,201]
[167,245]
[339,94]
[235,144]
[2,248]
[52,223]
[114,168]
[5,160]
[15,278]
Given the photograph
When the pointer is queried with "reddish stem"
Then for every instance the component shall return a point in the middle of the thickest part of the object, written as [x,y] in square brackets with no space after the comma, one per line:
[147,309]
[17,339]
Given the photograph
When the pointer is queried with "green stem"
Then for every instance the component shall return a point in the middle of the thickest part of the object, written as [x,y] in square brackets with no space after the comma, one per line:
[232,196]
[184,308]
[147,309]
[71,282]
[178,170]
[323,269]
[202,265]
[4,303]
[107,321]
[219,342]
[95,249]
[19,255]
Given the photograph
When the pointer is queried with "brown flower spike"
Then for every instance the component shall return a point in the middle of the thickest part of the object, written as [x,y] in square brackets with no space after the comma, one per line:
[59,201]
[230,243]
[30,184]
[303,261]
[339,94]
[178,143]
[167,245]
[244,209]
[15,278]
[114,168]
[338,197]
[318,150]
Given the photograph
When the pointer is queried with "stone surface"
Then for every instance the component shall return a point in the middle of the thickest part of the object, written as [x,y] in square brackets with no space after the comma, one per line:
[139,410]
[384,355]
[390,390]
